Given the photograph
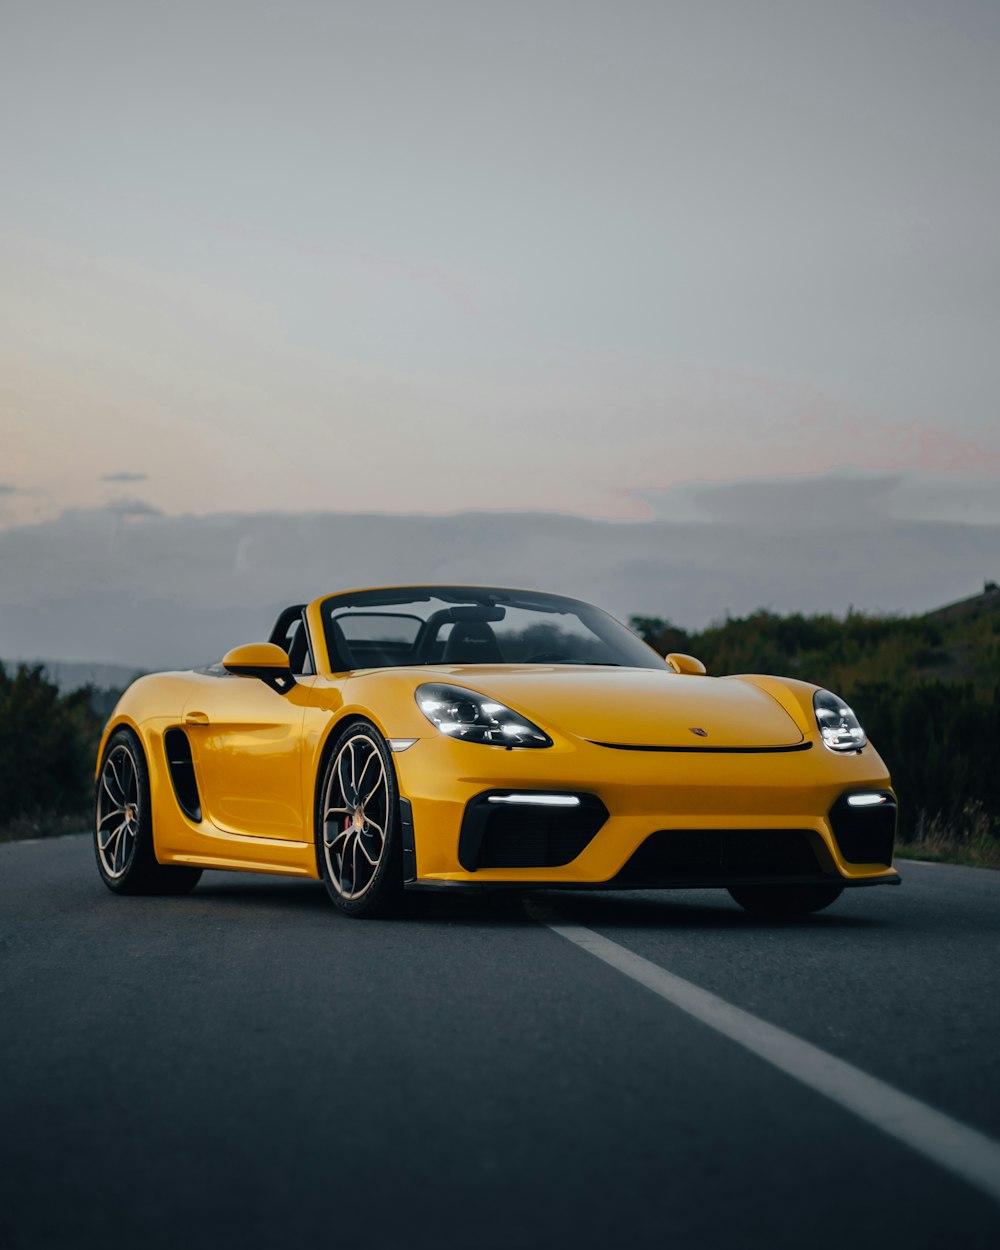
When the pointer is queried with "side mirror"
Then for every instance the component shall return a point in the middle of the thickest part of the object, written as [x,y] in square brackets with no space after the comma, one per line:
[263,660]
[686,664]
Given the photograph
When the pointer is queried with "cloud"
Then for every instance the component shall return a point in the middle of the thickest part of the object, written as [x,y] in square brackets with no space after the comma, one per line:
[849,499]
[125,477]
[106,585]
[7,489]
[132,508]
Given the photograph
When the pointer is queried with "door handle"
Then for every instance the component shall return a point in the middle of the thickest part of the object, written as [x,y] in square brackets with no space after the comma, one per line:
[195,718]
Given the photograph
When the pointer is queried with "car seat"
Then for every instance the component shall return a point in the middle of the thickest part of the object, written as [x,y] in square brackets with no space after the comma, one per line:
[471,642]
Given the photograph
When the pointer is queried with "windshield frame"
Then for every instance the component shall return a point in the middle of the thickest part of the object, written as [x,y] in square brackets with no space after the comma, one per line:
[630,650]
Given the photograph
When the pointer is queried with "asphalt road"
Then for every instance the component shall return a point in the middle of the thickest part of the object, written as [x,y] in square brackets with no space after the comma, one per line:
[245,1067]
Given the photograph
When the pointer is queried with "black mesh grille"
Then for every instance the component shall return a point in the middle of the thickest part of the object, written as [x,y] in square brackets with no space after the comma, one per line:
[521,835]
[531,839]
[725,855]
[865,835]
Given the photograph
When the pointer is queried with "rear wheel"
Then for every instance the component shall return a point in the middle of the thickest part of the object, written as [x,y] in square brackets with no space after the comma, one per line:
[785,900]
[123,825]
[358,836]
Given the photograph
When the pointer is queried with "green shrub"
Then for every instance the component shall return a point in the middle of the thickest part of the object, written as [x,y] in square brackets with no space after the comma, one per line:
[48,743]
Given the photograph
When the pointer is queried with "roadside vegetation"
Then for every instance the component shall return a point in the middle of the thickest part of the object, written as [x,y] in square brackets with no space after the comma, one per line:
[48,742]
[926,688]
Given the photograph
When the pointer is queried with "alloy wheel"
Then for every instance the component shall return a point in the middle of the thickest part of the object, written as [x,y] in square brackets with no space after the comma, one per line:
[118,811]
[355,816]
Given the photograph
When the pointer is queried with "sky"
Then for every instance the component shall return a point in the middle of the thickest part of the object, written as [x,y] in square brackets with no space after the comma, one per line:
[555,256]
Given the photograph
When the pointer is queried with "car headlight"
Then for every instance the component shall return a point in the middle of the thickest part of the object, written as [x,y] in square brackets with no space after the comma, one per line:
[839,728]
[474,717]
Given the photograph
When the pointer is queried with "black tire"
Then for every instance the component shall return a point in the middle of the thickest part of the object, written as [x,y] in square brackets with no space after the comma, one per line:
[785,900]
[123,825]
[358,841]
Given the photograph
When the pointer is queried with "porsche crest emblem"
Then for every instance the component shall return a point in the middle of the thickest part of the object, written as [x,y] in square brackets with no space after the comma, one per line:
[699,733]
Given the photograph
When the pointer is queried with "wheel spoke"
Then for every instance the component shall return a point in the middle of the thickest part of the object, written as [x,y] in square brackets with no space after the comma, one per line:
[375,788]
[354,867]
[125,845]
[109,815]
[344,833]
[117,799]
[364,770]
[116,847]
[346,870]
[354,769]
[120,845]
[122,773]
[338,860]
[364,852]
[118,776]
[112,836]
[131,779]
[128,842]
[345,781]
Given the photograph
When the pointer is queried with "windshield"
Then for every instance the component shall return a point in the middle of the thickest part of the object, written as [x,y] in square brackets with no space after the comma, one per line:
[417,625]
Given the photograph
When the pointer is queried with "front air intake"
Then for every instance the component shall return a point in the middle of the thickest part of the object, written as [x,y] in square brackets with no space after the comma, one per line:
[726,857]
[865,829]
[525,829]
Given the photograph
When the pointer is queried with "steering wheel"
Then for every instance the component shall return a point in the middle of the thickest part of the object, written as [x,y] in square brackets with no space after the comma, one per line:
[546,657]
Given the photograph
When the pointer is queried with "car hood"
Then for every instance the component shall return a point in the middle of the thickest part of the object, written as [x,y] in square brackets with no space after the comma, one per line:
[633,707]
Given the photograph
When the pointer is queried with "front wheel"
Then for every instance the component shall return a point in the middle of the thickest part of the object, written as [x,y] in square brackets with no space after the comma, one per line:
[123,825]
[357,825]
[785,900]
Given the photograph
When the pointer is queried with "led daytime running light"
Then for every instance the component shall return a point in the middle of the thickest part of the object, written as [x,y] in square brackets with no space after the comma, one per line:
[537,800]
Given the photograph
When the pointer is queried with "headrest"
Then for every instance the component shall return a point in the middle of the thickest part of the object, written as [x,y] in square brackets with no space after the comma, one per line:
[471,642]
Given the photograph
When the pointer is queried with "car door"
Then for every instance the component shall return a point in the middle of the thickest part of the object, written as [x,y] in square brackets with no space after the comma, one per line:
[246,740]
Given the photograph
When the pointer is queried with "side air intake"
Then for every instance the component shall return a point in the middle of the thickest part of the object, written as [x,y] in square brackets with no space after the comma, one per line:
[181,767]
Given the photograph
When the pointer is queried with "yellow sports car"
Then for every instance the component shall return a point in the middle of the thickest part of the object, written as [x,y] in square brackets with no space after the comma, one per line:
[467,737]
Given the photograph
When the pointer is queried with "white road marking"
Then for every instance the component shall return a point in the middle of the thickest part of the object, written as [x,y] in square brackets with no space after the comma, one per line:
[961,1150]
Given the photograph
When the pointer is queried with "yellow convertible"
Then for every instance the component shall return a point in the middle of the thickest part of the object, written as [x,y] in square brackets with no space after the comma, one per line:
[470,738]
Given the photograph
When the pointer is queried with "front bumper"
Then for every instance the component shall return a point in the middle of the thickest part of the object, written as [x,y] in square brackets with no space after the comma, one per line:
[734,802]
